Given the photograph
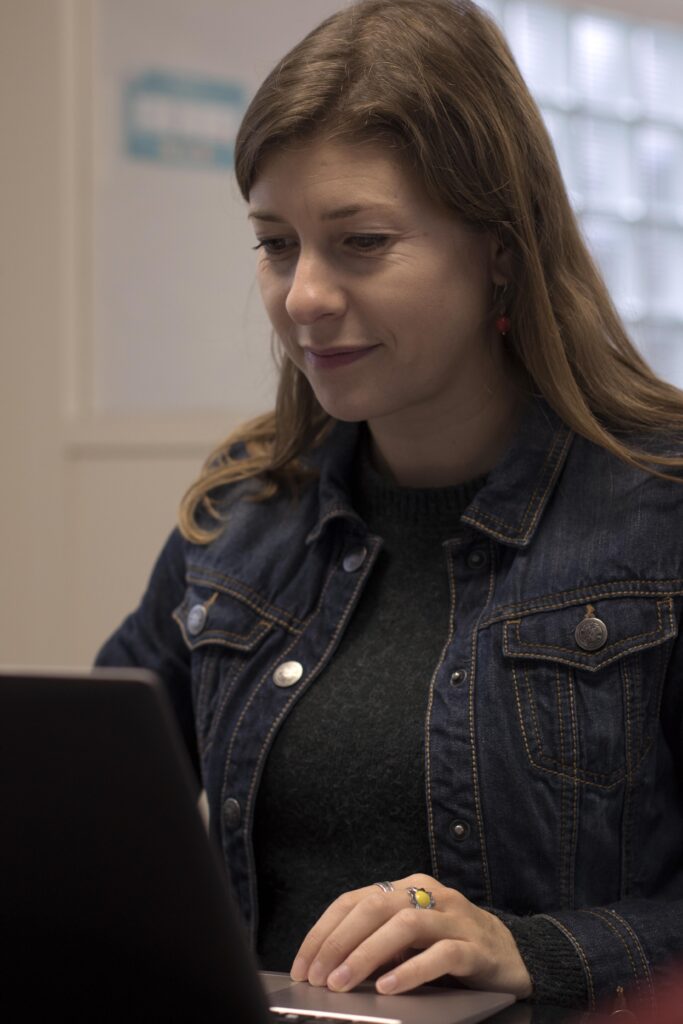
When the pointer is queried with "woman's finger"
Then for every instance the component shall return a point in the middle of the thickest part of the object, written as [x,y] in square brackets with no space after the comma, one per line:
[406,928]
[350,919]
[447,956]
[367,918]
[482,955]
[328,923]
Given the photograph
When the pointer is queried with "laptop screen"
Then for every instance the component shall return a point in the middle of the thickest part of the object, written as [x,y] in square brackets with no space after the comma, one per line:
[115,901]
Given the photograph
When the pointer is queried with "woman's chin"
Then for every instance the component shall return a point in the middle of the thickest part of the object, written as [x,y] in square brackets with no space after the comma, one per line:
[347,409]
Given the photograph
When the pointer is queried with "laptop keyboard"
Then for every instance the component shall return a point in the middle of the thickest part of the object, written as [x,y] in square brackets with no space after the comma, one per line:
[311,1017]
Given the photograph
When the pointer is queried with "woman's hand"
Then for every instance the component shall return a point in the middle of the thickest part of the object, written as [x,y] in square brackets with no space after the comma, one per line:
[367,929]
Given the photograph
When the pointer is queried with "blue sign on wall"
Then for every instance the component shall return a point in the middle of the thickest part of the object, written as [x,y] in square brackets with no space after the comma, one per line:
[182,120]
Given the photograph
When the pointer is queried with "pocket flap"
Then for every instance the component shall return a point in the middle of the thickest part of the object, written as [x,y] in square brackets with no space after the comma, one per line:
[209,616]
[631,624]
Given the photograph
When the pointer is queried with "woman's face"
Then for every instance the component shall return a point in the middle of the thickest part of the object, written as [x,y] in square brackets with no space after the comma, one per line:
[378,294]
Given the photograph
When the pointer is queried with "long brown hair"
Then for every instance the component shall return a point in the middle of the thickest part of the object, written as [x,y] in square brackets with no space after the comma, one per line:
[435,79]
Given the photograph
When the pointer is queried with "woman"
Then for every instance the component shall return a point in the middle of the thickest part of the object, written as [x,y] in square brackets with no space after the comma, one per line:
[420,623]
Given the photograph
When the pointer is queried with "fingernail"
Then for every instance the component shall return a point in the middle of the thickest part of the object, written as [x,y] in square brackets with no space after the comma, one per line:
[387,984]
[317,974]
[298,971]
[340,977]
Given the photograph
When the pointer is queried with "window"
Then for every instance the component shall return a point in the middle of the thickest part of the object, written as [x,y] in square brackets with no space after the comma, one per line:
[610,89]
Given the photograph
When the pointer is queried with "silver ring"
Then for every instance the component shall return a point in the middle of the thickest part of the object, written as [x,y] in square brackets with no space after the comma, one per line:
[421,899]
[385,886]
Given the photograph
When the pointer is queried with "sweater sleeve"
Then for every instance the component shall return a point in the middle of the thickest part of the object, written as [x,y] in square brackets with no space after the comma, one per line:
[150,638]
[581,958]
[551,959]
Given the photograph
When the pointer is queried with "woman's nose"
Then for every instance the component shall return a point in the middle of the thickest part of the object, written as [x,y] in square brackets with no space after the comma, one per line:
[314,292]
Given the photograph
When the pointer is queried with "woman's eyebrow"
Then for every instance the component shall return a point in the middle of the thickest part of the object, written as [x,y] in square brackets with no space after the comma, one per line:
[350,211]
[264,215]
[338,213]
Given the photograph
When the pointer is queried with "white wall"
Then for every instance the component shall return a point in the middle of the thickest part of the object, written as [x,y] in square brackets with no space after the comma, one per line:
[88,497]
[32,305]
[78,527]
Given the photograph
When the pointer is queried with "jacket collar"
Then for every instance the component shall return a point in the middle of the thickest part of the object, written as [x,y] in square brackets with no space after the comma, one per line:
[508,507]
[333,460]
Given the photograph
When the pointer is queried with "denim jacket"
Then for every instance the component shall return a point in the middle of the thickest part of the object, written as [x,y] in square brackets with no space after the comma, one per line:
[554,763]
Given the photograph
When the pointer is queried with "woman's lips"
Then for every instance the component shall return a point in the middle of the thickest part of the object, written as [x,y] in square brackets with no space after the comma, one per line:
[323,360]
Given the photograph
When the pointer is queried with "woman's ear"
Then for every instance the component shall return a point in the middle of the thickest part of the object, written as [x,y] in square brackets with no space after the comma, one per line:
[501,262]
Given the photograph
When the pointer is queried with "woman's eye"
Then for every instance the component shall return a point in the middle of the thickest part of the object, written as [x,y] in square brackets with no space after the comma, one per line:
[367,243]
[274,246]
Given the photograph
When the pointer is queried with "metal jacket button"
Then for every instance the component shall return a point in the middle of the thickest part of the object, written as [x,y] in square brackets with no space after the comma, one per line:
[459,676]
[232,812]
[354,559]
[591,633]
[459,830]
[477,559]
[196,619]
[288,673]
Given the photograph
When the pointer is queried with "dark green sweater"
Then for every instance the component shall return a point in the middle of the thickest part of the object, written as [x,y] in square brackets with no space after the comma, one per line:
[342,801]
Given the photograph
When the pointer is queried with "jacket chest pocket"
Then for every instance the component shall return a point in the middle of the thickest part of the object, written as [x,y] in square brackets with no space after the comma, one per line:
[587,681]
[225,635]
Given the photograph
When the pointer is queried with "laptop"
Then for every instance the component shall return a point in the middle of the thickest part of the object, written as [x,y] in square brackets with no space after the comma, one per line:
[114,902]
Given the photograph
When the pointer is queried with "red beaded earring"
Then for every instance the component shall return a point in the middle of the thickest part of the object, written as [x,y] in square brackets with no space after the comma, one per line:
[503,325]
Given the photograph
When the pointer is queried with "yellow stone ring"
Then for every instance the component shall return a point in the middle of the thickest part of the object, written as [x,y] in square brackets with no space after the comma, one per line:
[422,899]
